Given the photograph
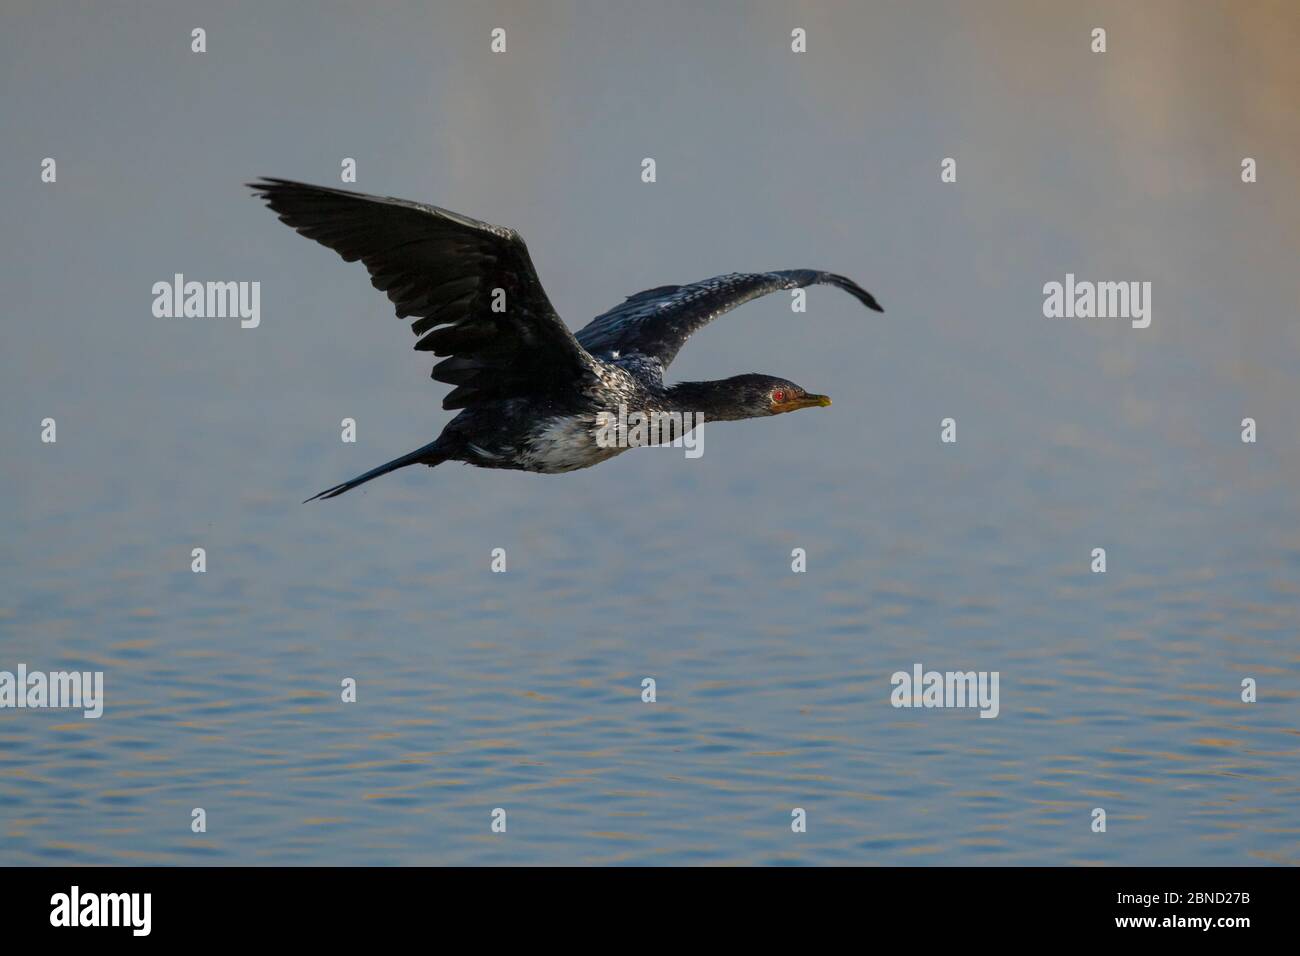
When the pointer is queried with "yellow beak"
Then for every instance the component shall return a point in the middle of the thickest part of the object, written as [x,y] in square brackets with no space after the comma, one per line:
[803,401]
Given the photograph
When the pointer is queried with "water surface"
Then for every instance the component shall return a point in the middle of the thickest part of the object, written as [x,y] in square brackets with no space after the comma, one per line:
[523,690]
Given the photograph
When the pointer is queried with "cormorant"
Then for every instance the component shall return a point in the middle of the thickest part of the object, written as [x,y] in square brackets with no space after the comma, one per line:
[532,392]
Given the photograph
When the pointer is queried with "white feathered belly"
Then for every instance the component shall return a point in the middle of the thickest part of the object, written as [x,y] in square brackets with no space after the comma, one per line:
[565,444]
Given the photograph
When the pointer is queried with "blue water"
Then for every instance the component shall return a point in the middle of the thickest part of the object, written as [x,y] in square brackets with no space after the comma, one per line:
[522,690]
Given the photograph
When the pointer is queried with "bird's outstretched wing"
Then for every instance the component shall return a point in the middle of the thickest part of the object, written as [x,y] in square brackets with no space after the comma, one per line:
[446,269]
[657,322]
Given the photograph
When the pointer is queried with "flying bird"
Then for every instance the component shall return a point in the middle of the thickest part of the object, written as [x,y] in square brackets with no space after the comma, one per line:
[533,394]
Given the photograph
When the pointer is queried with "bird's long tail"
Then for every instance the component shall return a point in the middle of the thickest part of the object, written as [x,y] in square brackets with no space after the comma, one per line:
[428,455]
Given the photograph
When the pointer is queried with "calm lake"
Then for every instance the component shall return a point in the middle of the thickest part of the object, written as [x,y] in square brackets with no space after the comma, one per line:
[523,690]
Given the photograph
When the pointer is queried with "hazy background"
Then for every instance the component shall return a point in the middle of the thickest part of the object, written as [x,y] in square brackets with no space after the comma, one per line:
[480,690]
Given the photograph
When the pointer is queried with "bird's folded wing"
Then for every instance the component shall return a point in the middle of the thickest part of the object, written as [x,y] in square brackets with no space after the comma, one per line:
[471,286]
[657,322]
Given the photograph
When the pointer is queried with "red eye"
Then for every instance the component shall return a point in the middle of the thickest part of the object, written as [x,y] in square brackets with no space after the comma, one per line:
[778,396]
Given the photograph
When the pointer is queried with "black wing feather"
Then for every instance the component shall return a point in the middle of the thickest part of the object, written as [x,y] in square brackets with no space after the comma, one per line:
[442,267]
[657,322]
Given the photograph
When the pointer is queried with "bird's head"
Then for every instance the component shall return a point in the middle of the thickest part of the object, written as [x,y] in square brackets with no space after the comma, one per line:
[756,396]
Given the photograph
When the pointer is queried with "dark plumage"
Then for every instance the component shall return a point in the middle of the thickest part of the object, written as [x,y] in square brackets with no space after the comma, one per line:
[532,392]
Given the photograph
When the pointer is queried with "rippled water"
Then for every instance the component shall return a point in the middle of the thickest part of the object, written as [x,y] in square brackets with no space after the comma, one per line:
[523,690]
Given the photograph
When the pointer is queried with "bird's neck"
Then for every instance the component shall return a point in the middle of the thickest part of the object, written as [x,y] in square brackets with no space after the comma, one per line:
[710,399]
